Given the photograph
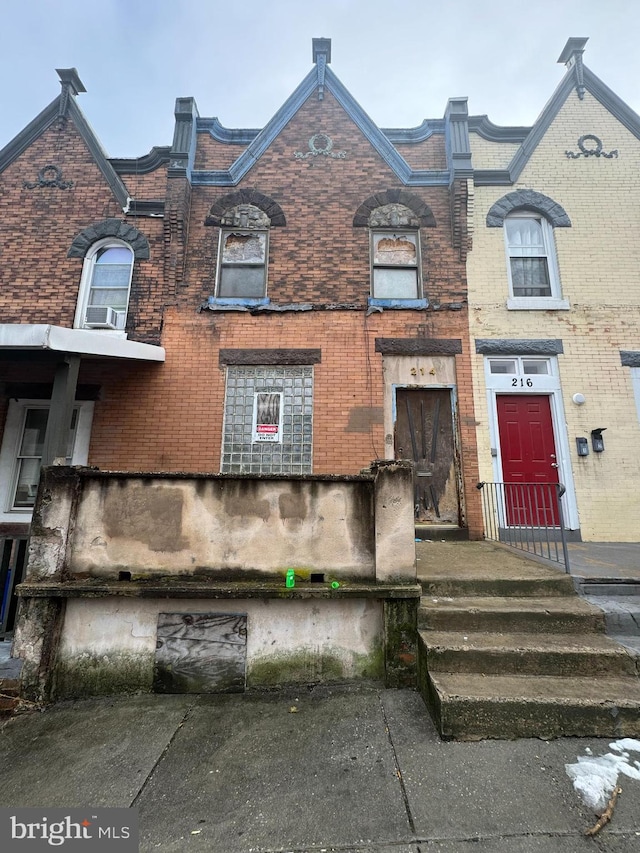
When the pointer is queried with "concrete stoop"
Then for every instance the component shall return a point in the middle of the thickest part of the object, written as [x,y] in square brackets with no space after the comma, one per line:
[507,649]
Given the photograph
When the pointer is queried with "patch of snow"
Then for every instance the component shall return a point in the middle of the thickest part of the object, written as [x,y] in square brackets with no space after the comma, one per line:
[595,777]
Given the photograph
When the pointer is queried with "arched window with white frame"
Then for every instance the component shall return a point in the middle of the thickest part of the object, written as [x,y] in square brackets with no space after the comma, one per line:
[103,300]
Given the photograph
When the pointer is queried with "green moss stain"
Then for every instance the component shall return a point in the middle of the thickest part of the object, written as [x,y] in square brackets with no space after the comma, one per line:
[401,632]
[307,667]
[87,675]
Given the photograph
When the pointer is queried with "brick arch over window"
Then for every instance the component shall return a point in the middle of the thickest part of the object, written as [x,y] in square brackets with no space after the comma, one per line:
[247,196]
[527,200]
[110,228]
[410,200]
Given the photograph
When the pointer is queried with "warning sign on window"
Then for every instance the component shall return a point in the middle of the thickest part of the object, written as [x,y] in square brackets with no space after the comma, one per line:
[268,417]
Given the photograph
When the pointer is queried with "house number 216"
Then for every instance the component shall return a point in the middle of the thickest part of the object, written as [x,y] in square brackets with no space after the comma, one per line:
[521,383]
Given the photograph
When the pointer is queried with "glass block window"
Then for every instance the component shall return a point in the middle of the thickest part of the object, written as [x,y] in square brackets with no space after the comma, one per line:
[268,397]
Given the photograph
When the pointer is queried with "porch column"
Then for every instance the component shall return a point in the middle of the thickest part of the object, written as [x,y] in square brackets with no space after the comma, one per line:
[61,411]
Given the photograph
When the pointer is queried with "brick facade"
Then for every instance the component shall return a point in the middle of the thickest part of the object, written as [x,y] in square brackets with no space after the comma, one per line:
[169,417]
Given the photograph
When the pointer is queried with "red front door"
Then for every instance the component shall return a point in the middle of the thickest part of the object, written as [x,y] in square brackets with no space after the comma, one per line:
[529,461]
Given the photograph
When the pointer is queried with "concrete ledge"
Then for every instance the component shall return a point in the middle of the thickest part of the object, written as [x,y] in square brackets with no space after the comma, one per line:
[193,589]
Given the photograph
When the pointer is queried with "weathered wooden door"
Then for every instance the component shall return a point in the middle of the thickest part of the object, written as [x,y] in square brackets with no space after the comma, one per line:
[529,461]
[424,434]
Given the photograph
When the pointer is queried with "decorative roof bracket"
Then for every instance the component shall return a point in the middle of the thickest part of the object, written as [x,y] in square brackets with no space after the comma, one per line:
[571,56]
[322,57]
[71,85]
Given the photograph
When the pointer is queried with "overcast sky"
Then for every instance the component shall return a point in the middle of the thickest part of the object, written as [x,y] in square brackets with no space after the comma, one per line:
[400,60]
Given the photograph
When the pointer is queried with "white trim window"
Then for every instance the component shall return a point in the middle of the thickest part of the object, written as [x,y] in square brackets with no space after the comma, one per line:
[395,268]
[103,300]
[21,453]
[242,267]
[534,279]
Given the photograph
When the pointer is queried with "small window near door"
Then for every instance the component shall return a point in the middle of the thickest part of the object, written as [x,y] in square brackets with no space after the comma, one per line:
[21,453]
[29,457]
[503,365]
[535,366]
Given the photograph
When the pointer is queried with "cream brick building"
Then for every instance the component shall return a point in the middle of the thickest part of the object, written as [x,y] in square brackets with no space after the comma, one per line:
[554,301]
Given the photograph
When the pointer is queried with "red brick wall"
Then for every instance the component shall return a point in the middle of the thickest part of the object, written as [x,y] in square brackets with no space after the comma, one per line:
[169,417]
[38,282]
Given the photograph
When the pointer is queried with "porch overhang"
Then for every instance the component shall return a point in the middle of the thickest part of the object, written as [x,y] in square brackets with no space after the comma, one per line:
[40,336]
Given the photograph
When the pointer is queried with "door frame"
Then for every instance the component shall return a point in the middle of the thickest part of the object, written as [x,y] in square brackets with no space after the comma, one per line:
[547,385]
[457,456]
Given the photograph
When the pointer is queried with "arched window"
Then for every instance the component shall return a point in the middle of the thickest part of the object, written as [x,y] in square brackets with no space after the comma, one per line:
[528,219]
[106,282]
[531,256]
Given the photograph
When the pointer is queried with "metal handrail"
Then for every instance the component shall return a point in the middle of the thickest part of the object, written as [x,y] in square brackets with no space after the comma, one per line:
[527,516]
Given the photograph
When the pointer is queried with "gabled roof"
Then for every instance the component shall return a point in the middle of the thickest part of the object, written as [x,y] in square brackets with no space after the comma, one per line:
[321,79]
[65,106]
[578,77]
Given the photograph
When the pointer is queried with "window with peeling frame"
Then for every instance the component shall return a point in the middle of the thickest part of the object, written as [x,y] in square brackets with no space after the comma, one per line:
[395,267]
[242,268]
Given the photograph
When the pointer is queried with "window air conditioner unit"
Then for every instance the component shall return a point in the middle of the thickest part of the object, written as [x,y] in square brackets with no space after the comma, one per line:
[101,317]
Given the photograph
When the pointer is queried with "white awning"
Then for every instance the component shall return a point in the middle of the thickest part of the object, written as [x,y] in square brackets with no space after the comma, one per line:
[32,336]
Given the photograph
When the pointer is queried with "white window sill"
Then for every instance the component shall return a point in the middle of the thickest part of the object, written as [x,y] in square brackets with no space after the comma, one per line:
[537,303]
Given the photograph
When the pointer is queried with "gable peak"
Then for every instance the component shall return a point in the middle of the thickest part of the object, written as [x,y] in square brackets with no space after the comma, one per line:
[571,56]
[71,86]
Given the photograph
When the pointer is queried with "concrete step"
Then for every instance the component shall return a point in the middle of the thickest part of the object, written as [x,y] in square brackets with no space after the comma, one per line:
[521,654]
[607,587]
[472,706]
[441,533]
[476,584]
[553,615]
[621,613]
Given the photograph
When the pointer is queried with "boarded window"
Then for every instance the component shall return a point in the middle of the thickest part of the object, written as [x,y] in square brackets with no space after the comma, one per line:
[395,265]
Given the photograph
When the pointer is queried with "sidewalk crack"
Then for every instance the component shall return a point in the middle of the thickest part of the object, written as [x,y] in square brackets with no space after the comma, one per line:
[151,773]
[403,790]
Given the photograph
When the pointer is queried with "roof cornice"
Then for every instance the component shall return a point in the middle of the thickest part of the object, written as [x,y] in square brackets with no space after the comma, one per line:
[420,133]
[259,144]
[485,128]
[233,136]
[158,156]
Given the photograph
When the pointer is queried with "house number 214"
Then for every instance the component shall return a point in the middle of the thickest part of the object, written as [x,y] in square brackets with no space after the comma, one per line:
[521,383]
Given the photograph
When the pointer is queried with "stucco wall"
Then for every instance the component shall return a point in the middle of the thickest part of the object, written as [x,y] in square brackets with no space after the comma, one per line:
[209,526]
[112,642]
[110,552]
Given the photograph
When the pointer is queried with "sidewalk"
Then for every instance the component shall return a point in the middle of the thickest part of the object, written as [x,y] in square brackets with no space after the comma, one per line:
[355,770]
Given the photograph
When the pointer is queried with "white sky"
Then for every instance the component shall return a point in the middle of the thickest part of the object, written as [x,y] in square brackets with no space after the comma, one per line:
[401,61]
